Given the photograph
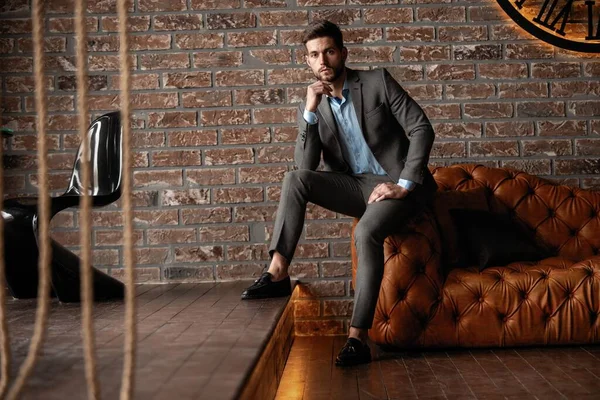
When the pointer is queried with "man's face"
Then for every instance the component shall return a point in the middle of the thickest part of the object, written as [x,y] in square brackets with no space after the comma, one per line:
[326,60]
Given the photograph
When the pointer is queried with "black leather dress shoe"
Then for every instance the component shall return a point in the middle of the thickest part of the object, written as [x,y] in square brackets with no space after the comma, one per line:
[264,287]
[354,352]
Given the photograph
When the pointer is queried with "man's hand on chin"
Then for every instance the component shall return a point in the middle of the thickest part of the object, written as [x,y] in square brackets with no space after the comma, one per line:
[387,191]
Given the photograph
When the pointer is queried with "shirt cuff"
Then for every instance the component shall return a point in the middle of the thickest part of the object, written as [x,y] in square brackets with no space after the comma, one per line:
[310,117]
[406,184]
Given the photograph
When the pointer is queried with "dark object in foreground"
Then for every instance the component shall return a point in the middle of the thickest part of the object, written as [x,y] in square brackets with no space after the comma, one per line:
[354,352]
[264,287]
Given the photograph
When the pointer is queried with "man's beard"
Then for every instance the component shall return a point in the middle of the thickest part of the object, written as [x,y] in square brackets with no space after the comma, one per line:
[337,72]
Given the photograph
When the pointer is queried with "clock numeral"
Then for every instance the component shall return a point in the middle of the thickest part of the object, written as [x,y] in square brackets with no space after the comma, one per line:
[562,16]
[591,35]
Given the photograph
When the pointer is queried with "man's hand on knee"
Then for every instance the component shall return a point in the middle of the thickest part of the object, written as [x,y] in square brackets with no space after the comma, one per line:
[387,191]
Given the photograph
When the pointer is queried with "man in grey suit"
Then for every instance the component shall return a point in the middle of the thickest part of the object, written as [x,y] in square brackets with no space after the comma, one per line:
[375,141]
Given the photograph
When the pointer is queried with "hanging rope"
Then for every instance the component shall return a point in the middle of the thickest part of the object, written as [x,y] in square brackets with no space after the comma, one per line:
[127,386]
[85,208]
[4,339]
[43,300]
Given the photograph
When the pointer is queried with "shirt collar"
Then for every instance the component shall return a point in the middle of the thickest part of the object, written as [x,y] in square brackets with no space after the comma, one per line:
[345,91]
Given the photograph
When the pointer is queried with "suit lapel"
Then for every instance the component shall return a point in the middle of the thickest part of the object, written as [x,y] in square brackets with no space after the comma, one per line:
[327,115]
[355,87]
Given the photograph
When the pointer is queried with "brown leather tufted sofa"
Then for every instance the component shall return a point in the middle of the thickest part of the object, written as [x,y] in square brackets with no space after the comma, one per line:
[553,301]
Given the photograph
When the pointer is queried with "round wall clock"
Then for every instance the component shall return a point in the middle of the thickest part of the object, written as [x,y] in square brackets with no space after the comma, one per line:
[570,24]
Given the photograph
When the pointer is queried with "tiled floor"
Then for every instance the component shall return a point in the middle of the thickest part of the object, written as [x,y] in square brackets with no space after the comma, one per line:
[195,341]
[526,373]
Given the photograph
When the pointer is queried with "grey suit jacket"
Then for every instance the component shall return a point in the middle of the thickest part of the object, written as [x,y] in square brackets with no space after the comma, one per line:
[394,126]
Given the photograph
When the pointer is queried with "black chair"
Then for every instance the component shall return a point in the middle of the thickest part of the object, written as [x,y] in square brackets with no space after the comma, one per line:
[21,222]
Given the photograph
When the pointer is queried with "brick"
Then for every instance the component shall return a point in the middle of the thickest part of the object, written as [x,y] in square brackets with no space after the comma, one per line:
[15,26]
[165,236]
[176,158]
[362,35]
[255,213]
[107,218]
[442,111]
[140,101]
[487,13]
[424,53]
[541,109]
[14,6]
[186,197]
[225,117]
[25,84]
[239,271]
[259,96]
[164,61]
[56,181]
[141,275]
[218,59]
[441,14]
[239,78]
[153,6]
[264,3]
[252,38]
[488,110]
[523,90]
[585,108]
[341,249]
[509,129]
[144,198]
[192,216]
[502,148]
[97,43]
[549,148]
[533,167]
[306,308]
[458,34]
[189,274]
[229,156]
[155,217]
[406,73]
[388,15]
[317,289]
[332,230]
[284,134]
[561,128]
[458,130]
[180,138]
[291,37]
[54,103]
[210,176]
[177,22]
[15,183]
[372,54]
[62,220]
[10,104]
[135,23]
[589,166]
[595,126]
[283,18]
[214,4]
[51,45]
[237,195]
[262,174]
[94,83]
[338,308]
[172,119]
[16,64]
[6,45]
[208,98]
[555,70]
[184,80]
[137,81]
[295,95]
[275,154]
[470,91]
[336,269]
[448,150]
[272,56]
[67,25]
[337,16]
[237,20]
[21,123]
[150,42]
[289,75]
[198,253]
[29,142]
[319,327]
[145,256]
[157,178]
[62,123]
[574,88]
[591,68]
[503,71]
[253,252]
[200,41]
[95,63]
[478,52]
[224,234]
[509,32]
[410,33]
[116,238]
[302,270]
[275,115]
[591,184]
[520,51]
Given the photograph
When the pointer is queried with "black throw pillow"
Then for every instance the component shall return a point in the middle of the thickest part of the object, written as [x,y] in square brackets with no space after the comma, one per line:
[488,239]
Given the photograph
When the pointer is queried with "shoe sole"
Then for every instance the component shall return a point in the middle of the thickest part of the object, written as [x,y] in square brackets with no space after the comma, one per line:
[258,297]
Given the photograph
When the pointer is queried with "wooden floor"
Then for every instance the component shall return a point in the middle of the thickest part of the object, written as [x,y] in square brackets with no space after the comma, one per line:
[531,373]
[195,341]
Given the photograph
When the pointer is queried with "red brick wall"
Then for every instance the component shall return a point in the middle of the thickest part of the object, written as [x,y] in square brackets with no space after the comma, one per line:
[216,82]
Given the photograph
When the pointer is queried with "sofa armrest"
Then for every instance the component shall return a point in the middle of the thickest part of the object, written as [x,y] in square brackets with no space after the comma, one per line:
[413,278]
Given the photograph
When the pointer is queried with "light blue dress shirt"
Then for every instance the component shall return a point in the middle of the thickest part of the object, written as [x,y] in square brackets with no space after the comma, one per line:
[354,147]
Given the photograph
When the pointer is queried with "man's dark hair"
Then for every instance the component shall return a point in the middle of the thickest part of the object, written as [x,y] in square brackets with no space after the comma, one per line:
[319,29]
